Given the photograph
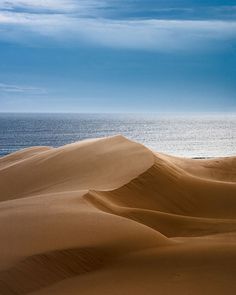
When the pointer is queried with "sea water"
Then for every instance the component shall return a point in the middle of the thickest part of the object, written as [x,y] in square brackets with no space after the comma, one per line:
[189,135]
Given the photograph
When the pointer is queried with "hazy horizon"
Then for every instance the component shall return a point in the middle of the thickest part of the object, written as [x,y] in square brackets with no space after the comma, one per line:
[189,134]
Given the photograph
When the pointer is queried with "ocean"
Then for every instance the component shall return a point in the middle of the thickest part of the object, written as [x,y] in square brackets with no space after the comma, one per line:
[189,135]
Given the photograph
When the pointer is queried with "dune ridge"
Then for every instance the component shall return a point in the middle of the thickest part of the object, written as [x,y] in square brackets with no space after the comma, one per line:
[109,216]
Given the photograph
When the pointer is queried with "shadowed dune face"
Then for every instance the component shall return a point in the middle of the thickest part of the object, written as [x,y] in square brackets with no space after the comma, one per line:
[109,216]
[166,188]
[173,201]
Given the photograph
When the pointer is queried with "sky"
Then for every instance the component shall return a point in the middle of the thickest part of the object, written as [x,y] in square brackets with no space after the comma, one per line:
[117,56]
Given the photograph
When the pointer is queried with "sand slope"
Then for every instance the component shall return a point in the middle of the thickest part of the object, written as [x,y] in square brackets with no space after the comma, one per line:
[109,216]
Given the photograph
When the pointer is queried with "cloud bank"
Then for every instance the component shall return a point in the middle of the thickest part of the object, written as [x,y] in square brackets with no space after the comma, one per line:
[80,23]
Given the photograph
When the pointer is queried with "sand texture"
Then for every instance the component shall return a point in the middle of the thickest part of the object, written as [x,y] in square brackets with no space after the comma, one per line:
[109,216]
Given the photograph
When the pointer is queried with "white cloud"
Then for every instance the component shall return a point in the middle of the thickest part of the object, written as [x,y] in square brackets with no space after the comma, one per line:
[12,88]
[61,6]
[141,34]
[38,4]
[77,28]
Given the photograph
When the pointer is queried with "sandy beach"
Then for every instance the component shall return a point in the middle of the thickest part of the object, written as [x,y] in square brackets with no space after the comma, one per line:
[110,216]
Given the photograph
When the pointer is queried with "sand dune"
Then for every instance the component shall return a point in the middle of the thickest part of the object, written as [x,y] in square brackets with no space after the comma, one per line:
[109,216]
[91,164]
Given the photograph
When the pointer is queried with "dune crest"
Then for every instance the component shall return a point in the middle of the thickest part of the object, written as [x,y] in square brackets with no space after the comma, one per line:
[90,164]
[109,216]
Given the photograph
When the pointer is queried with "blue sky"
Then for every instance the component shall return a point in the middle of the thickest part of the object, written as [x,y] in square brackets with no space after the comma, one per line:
[117,55]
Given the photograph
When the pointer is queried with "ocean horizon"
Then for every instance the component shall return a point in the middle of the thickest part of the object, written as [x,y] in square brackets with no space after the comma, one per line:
[194,135]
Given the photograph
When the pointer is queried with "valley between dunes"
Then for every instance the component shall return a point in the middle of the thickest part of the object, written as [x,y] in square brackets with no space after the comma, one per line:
[110,216]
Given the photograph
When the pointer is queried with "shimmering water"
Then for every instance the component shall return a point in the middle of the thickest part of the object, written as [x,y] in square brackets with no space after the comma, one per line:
[198,135]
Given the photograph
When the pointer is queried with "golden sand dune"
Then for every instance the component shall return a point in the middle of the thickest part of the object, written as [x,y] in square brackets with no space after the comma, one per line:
[109,216]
